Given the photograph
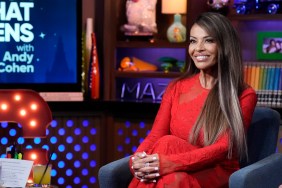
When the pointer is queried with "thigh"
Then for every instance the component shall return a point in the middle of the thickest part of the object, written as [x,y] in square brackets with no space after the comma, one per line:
[179,179]
[213,177]
[173,180]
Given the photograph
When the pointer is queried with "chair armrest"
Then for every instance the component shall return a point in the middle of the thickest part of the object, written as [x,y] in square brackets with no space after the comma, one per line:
[264,173]
[115,174]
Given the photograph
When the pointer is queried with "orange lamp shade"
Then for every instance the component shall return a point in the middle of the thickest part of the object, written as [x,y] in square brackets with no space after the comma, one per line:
[27,108]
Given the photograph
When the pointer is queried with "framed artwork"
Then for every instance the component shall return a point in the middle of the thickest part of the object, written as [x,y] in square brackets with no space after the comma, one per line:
[269,45]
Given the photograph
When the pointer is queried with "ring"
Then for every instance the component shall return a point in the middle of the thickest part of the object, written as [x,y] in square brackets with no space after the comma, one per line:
[147,164]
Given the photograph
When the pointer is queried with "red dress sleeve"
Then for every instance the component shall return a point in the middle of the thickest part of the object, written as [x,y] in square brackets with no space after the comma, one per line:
[203,157]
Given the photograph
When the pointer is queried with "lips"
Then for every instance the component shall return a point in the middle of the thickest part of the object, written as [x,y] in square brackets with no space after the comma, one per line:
[201,57]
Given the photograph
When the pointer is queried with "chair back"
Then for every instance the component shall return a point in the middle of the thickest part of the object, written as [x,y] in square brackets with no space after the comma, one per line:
[262,134]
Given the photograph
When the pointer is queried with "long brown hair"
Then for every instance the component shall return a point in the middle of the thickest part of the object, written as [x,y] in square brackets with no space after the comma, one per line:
[222,111]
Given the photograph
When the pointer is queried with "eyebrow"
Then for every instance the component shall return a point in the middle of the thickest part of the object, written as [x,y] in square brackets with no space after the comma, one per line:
[203,37]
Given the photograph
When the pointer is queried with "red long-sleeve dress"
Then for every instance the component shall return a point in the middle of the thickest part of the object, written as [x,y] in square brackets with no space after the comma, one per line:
[183,165]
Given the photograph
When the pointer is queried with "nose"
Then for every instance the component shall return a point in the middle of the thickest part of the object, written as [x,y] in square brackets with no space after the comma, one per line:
[199,46]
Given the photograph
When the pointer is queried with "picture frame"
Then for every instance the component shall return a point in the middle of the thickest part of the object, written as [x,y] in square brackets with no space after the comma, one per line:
[269,46]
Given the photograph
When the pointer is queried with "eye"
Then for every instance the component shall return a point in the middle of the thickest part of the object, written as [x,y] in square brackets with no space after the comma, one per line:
[210,40]
[192,41]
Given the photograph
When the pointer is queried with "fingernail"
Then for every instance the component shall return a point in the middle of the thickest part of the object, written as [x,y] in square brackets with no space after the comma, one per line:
[144,154]
[156,168]
[154,158]
[132,167]
[132,158]
[142,180]
[157,174]
[154,181]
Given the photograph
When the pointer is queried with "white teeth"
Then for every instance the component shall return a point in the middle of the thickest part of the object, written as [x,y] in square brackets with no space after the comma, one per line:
[202,57]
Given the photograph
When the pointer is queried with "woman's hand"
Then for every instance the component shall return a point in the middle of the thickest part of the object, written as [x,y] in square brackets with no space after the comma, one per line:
[146,167]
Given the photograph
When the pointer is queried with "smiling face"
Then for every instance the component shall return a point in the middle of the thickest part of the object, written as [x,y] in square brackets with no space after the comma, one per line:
[202,49]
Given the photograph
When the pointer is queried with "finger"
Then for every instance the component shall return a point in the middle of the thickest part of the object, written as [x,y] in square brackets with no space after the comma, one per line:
[148,167]
[139,175]
[142,155]
[152,176]
[148,180]
[149,170]
[150,159]
[137,165]
[155,158]
[154,164]
[138,155]
[154,181]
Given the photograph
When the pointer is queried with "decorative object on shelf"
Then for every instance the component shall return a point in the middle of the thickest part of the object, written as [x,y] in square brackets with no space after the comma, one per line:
[181,66]
[268,6]
[258,6]
[94,74]
[86,54]
[27,108]
[177,31]
[269,45]
[172,64]
[141,18]
[273,8]
[166,66]
[136,64]
[243,6]
[220,6]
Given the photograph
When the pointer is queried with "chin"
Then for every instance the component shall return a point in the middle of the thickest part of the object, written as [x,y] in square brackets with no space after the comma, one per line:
[206,68]
[205,65]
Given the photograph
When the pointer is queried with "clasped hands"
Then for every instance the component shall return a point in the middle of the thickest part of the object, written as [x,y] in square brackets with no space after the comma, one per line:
[145,167]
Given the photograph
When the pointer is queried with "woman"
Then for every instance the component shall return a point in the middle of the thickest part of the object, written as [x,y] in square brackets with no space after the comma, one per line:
[272,47]
[198,135]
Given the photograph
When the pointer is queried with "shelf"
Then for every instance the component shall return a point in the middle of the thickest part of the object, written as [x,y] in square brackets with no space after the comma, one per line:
[255,17]
[113,106]
[147,44]
[117,107]
[147,74]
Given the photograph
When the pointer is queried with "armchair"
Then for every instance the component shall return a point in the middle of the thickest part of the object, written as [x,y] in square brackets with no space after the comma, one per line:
[263,169]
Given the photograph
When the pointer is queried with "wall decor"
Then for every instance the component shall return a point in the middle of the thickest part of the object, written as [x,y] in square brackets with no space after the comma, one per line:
[269,45]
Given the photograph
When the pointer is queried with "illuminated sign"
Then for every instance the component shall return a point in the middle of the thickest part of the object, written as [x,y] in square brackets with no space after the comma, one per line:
[150,90]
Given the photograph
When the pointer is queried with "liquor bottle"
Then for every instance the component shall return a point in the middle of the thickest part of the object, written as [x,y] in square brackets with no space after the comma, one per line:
[94,84]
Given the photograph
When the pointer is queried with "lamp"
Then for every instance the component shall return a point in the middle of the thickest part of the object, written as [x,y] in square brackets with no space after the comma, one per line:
[38,156]
[177,31]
